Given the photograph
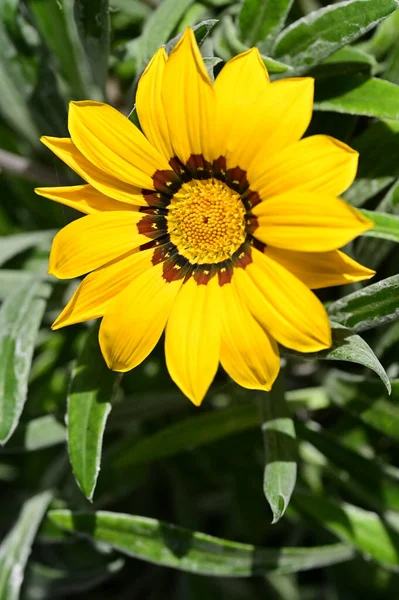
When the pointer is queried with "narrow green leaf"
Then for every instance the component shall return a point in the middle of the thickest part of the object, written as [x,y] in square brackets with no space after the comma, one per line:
[16,546]
[11,279]
[16,90]
[56,23]
[369,307]
[92,21]
[20,318]
[354,525]
[93,387]
[321,33]
[168,545]
[280,449]
[366,401]
[386,226]
[378,148]
[11,245]
[159,27]
[349,347]
[36,434]
[185,435]
[371,480]
[262,20]
[358,94]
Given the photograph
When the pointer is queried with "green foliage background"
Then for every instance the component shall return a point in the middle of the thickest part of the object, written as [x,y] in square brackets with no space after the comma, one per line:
[97,471]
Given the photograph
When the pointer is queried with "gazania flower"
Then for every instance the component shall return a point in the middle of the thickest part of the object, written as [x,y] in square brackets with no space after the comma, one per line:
[214,224]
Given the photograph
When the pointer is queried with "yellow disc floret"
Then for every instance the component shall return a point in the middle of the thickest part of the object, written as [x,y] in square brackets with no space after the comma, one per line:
[206,221]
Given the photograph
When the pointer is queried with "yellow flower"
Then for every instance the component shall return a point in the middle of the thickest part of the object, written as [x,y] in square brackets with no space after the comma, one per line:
[214,224]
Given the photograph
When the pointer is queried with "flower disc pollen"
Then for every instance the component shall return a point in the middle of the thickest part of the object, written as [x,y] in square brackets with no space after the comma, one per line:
[206,221]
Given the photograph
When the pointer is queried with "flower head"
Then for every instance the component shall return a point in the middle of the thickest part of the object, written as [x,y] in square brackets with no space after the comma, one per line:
[214,224]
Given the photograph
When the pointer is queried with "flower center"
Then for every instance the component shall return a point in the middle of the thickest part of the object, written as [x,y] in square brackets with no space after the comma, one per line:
[206,221]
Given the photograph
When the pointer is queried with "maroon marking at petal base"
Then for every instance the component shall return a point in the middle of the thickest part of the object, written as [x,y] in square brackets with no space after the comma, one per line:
[225,272]
[152,226]
[166,181]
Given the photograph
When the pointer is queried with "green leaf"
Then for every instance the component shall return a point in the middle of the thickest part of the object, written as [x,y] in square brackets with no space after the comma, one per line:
[358,94]
[386,226]
[159,27]
[369,307]
[185,435]
[168,545]
[36,434]
[11,245]
[354,525]
[349,347]
[16,546]
[16,91]
[370,251]
[371,480]
[20,318]
[280,449]
[384,37]
[347,61]
[92,389]
[57,26]
[92,21]
[229,44]
[378,148]
[366,401]
[321,33]
[262,20]
[11,279]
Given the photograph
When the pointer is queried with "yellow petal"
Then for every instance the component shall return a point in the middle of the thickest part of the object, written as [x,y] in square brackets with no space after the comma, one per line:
[113,144]
[136,318]
[84,198]
[149,105]
[248,354]
[93,241]
[320,269]
[283,305]
[315,164]
[98,289]
[274,120]
[189,100]
[67,152]
[192,343]
[241,80]
[308,222]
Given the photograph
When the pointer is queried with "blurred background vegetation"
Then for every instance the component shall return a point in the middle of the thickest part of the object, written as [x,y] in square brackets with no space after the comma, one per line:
[163,459]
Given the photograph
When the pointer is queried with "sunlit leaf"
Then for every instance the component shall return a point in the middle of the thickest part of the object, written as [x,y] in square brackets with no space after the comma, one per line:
[354,525]
[168,545]
[20,318]
[280,449]
[92,389]
[358,95]
[321,33]
[371,306]
[350,347]
[16,546]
